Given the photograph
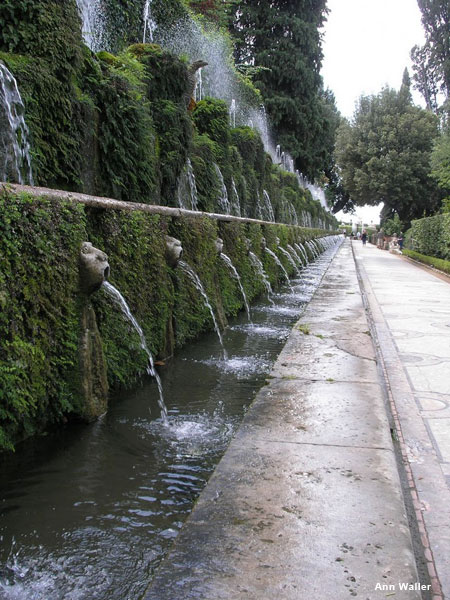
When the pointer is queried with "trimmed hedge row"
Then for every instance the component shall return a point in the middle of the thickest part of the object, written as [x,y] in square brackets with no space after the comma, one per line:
[437,263]
[430,236]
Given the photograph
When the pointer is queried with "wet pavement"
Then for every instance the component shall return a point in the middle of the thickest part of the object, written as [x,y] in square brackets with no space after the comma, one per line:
[409,309]
[307,501]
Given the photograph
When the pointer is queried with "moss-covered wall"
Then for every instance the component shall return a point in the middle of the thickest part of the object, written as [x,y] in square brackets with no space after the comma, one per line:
[41,306]
[121,126]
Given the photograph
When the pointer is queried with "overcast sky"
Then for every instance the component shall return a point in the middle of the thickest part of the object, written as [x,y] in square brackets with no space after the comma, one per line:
[366,46]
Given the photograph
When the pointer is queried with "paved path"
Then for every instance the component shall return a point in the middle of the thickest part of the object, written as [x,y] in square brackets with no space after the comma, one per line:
[306,503]
[410,312]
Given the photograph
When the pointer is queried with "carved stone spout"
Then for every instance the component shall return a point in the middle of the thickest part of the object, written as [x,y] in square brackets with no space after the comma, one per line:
[94,268]
[219,245]
[174,250]
[263,244]
[248,245]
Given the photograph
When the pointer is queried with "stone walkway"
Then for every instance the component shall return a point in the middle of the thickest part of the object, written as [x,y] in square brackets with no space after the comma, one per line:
[410,314]
[307,501]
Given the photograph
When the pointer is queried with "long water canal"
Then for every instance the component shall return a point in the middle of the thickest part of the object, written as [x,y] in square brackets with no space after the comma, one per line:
[89,513]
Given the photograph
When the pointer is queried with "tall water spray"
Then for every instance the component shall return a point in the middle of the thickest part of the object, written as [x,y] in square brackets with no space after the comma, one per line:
[268,207]
[15,159]
[233,113]
[223,201]
[219,79]
[198,90]
[235,203]
[121,302]
[149,23]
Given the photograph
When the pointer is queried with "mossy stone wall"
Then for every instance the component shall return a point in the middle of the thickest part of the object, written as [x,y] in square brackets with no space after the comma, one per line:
[119,126]
[42,309]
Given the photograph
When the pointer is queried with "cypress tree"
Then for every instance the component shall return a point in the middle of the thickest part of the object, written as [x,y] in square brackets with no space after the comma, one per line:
[281,39]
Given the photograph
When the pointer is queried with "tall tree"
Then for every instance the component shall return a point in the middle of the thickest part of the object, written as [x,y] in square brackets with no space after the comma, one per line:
[431,62]
[384,154]
[283,37]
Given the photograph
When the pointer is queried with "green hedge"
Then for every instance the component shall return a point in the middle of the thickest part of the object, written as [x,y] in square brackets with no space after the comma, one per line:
[430,236]
[437,263]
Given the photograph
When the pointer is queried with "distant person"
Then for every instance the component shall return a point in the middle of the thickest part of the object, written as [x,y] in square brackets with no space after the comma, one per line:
[358,235]
[400,241]
[380,239]
[364,237]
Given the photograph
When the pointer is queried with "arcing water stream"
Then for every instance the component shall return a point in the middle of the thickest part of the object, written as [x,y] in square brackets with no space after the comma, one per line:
[227,261]
[88,513]
[122,303]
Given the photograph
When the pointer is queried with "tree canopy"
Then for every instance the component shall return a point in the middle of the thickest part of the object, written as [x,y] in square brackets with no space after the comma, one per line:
[283,37]
[384,154]
[440,165]
[431,62]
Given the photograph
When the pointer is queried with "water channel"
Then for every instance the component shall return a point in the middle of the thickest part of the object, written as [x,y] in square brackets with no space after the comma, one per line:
[90,512]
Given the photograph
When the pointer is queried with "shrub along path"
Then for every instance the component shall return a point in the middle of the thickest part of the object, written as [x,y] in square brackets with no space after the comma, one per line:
[307,501]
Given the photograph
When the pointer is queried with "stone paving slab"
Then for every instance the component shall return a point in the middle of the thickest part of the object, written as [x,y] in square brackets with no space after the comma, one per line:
[306,503]
[410,310]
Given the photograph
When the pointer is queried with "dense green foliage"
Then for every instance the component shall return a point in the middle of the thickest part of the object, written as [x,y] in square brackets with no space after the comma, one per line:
[39,245]
[440,165]
[384,155]
[431,236]
[393,226]
[437,263]
[41,305]
[118,125]
[282,38]
[431,62]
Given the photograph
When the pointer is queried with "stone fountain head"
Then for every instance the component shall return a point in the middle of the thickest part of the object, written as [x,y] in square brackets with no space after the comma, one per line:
[248,245]
[174,250]
[277,241]
[94,268]
[219,245]
[263,244]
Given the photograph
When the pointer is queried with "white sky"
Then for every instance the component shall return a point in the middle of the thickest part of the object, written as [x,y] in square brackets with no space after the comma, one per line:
[366,46]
